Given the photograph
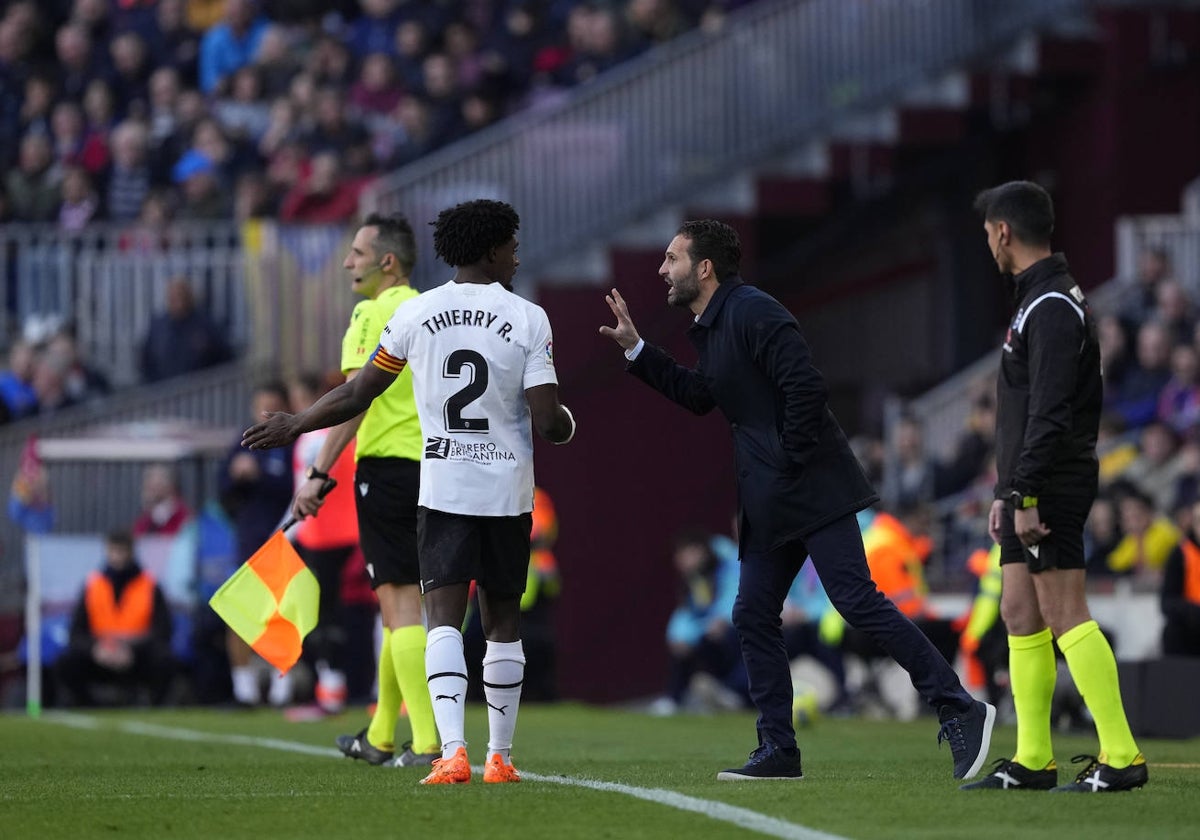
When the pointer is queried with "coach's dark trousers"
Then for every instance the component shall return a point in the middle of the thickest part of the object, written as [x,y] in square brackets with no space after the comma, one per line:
[837,551]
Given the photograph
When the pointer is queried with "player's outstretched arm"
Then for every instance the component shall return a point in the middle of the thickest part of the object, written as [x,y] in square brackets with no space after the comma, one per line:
[348,400]
[551,418]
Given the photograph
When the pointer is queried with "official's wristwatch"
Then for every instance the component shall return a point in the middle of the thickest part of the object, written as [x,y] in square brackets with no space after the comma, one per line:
[313,472]
[1021,501]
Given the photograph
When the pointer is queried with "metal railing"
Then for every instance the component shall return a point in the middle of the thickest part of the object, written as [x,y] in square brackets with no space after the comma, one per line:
[277,291]
[110,281]
[685,115]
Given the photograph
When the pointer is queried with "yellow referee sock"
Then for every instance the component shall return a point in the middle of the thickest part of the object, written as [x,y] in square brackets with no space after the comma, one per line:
[382,731]
[408,662]
[1094,669]
[1032,672]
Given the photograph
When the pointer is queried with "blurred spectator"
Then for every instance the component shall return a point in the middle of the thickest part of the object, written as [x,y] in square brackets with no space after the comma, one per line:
[336,132]
[120,630]
[163,89]
[971,451]
[911,480]
[1115,357]
[414,138]
[173,41]
[129,178]
[655,21]
[83,382]
[440,84]
[99,119]
[244,114]
[412,44]
[275,62]
[37,104]
[29,503]
[50,383]
[700,634]
[17,397]
[282,127]
[509,50]
[1149,537]
[326,196]
[163,509]
[1140,296]
[183,338]
[1136,401]
[79,202]
[594,36]
[203,15]
[252,198]
[1115,448]
[1179,401]
[377,91]
[255,489]
[1174,311]
[1101,534]
[373,31]
[131,72]
[76,63]
[1156,468]
[329,63]
[230,44]
[33,187]
[1181,594]
[203,198]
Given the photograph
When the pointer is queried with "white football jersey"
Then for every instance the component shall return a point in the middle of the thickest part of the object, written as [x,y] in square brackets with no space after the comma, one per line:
[473,350]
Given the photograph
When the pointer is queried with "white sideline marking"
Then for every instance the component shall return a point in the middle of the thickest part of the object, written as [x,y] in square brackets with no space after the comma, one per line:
[720,811]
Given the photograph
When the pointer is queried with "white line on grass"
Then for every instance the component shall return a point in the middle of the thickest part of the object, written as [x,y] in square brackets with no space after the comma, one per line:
[720,811]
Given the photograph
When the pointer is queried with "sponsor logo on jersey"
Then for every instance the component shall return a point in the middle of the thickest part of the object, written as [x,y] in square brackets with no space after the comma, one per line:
[449,449]
[550,352]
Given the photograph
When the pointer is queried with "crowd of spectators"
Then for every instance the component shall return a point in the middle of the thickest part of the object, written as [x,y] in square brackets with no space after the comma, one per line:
[217,109]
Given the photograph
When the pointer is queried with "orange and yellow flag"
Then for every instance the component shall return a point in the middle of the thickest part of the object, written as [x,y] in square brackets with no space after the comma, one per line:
[271,602]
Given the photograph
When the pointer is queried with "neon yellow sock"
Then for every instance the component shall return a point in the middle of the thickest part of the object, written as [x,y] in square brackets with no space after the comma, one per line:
[1032,671]
[382,731]
[408,660]
[1094,669]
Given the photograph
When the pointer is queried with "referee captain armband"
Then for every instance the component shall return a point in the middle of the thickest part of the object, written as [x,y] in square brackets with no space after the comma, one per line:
[571,417]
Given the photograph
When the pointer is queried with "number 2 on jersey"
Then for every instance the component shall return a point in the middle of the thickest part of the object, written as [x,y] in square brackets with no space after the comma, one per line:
[473,390]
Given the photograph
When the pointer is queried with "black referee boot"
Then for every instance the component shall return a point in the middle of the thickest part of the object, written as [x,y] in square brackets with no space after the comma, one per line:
[1008,775]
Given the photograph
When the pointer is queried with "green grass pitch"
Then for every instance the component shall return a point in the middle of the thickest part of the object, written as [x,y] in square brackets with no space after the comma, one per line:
[221,774]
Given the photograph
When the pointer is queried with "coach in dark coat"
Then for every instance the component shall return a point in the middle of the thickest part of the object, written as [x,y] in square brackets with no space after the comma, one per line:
[799,486]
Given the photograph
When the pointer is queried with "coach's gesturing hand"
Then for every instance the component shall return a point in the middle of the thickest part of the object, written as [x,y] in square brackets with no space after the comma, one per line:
[624,333]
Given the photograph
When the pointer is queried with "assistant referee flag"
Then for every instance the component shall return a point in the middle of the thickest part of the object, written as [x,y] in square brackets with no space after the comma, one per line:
[272,602]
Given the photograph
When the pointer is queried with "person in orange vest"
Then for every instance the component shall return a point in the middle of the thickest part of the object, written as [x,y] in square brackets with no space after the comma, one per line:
[1181,594]
[120,630]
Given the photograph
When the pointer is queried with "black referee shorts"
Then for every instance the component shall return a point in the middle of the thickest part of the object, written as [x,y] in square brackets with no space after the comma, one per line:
[385,495]
[1063,548]
[492,550]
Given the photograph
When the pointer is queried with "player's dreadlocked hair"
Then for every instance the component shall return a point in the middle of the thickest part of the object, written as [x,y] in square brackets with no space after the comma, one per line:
[466,233]
[394,235]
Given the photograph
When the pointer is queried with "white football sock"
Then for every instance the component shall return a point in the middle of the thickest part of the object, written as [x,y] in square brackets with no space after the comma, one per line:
[446,674]
[503,673]
[245,684]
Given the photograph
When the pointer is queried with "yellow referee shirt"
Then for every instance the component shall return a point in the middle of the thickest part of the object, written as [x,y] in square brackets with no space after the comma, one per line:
[390,428]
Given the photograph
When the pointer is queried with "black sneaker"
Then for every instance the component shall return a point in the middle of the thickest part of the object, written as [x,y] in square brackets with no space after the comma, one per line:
[408,758]
[1098,777]
[357,746]
[1008,775]
[970,736]
[766,762]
